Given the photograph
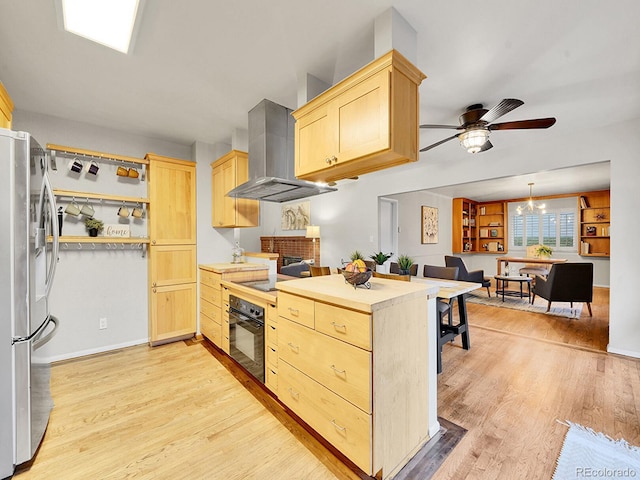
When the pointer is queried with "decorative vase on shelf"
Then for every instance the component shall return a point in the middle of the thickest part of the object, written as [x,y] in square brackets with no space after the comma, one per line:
[93,232]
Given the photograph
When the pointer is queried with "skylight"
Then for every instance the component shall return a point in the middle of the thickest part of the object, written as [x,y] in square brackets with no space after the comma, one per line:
[108,22]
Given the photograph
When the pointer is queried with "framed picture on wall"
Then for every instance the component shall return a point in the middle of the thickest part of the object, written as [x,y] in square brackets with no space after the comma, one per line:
[429,224]
[295,216]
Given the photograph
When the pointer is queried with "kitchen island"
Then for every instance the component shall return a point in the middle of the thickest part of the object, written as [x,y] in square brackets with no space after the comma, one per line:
[358,366]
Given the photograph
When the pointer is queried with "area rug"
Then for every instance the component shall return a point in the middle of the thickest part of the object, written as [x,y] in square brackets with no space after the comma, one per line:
[560,309]
[589,454]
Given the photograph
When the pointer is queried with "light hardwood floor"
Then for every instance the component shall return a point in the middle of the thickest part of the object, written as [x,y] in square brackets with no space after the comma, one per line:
[176,412]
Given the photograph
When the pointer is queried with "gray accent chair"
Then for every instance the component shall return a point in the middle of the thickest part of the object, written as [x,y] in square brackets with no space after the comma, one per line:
[295,269]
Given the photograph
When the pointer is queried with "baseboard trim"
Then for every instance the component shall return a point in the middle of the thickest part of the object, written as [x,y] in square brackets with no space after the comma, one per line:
[620,351]
[93,351]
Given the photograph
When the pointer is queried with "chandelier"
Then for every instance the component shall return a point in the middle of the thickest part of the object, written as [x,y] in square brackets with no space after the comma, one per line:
[530,206]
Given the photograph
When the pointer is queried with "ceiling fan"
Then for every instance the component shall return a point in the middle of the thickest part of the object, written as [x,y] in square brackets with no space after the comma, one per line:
[476,125]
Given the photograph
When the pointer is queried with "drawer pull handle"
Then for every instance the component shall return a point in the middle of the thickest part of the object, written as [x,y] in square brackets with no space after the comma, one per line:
[293,347]
[342,429]
[338,326]
[272,327]
[341,372]
[293,393]
[272,349]
[294,311]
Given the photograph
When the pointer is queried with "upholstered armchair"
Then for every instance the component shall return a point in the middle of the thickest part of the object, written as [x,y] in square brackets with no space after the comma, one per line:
[567,282]
[476,276]
[295,269]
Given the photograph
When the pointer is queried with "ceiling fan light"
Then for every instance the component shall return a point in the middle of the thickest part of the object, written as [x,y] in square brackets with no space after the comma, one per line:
[473,140]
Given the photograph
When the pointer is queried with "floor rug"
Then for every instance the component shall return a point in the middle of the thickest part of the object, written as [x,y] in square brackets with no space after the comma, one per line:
[589,454]
[560,309]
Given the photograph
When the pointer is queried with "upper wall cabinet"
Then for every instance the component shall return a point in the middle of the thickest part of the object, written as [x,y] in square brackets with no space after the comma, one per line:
[367,122]
[6,108]
[229,171]
[172,195]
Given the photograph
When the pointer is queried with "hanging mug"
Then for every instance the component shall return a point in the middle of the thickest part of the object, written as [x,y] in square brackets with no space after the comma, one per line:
[122,172]
[137,212]
[75,165]
[93,168]
[87,210]
[73,209]
[123,211]
[133,172]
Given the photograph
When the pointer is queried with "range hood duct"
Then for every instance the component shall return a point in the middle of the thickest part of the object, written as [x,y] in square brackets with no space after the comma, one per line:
[271,158]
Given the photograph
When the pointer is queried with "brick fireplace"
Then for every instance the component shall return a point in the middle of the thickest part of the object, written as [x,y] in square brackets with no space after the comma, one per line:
[291,246]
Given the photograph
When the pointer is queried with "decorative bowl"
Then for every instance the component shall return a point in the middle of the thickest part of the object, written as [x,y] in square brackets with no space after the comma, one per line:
[358,278]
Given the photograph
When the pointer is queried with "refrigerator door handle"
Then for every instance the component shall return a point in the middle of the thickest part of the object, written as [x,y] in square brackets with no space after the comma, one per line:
[46,188]
[39,339]
[35,336]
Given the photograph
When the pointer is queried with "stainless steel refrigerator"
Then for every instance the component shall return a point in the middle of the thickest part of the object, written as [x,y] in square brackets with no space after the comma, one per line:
[28,256]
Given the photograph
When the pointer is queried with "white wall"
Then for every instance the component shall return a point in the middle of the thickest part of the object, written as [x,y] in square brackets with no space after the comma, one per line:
[91,284]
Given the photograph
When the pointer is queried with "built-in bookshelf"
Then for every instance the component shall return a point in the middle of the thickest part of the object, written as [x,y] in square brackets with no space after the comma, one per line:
[595,223]
[478,227]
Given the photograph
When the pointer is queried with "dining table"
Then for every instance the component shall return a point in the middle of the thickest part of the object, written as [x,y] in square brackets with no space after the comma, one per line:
[527,260]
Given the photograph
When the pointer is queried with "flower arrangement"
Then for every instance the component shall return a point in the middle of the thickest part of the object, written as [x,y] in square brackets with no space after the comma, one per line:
[544,251]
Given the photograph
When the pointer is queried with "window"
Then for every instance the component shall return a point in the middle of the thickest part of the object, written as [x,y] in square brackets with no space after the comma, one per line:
[556,227]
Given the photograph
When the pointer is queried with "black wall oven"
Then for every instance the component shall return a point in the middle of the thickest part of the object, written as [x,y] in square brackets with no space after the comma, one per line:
[246,335]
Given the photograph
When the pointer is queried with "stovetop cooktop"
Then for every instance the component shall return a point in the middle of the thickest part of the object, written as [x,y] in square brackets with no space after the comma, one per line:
[266,285]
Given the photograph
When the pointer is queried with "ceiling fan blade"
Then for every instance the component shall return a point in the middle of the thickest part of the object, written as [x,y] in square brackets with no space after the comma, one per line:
[524,124]
[438,143]
[487,145]
[455,127]
[502,108]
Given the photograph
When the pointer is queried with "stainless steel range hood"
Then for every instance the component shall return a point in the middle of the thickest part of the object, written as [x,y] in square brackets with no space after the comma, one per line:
[271,158]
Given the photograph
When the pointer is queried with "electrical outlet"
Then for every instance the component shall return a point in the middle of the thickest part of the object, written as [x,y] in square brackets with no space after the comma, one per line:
[103,323]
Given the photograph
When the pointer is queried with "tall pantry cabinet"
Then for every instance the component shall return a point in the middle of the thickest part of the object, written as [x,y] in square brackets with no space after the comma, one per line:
[172,251]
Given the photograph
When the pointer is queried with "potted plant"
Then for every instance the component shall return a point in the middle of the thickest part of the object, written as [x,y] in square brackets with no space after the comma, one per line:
[356,255]
[404,264]
[94,226]
[544,251]
[380,258]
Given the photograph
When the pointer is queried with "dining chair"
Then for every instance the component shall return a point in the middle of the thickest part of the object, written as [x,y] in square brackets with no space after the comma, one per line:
[475,276]
[447,331]
[392,276]
[319,271]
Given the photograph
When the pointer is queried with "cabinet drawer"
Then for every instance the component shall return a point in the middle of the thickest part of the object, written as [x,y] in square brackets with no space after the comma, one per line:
[211,294]
[296,308]
[272,334]
[346,427]
[210,310]
[271,378]
[210,329]
[343,368]
[210,278]
[272,355]
[272,313]
[347,325]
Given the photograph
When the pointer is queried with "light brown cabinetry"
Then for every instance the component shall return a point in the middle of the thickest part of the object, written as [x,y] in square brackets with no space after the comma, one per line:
[478,227]
[211,306]
[341,363]
[172,254]
[228,172]
[464,235]
[492,227]
[6,108]
[365,123]
[595,223]
[271,348]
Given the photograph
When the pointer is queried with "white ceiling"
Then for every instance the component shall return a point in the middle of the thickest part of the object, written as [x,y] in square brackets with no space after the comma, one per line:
[197,67]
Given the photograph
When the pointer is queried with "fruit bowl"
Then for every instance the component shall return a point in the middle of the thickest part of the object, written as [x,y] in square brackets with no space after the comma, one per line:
[358,278]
